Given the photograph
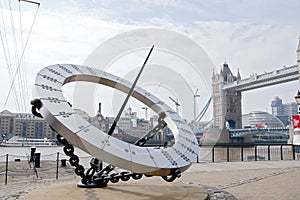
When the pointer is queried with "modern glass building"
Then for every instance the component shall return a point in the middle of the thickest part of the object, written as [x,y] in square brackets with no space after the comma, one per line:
[283,111]
[260,119]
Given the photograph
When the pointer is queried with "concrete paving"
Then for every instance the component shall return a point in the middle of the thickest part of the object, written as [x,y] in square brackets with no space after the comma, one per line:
[137,190]
[232,180]
[249,180]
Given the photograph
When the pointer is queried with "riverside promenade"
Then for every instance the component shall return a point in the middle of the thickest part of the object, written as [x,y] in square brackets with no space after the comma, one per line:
[249,180]
[226,180]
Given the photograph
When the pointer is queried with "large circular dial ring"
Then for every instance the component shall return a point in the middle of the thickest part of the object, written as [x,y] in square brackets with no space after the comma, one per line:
[58,113]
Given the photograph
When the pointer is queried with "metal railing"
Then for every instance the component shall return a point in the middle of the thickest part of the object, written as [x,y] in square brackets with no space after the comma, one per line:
[232,153]
[17,168]
[55,166]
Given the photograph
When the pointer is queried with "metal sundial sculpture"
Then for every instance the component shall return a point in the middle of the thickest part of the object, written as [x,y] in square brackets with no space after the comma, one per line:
[167,162]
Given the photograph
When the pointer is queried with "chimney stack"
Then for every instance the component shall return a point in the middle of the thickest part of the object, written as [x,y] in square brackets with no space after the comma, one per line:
[99,109]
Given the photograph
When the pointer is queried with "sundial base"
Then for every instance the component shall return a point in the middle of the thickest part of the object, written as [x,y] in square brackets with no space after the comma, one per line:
[156,189]
[91,185]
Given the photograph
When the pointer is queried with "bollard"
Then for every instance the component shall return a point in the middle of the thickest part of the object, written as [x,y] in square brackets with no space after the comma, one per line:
[57,160]
[294,152]
[6,169]
[281,153]
[255,153]
[213,154]
[242,153]
[269,153]
[63,162]
[228,159]
[32,151]
[37,160]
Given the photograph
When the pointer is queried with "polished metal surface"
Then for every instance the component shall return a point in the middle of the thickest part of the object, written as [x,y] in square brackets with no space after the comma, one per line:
[147,160]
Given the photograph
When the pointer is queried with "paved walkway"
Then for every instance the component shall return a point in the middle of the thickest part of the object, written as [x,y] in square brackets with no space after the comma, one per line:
[13,191]
[249,180]
[232,180]
[153,189]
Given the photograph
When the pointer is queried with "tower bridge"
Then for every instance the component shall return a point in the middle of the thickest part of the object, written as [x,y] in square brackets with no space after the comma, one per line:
[228,88]
[255,81]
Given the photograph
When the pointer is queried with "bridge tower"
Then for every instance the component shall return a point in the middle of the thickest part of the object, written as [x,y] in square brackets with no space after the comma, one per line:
[227,109]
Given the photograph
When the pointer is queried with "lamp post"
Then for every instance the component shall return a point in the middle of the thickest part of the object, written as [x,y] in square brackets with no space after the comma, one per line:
[296,122]
[195,96]
[297,98]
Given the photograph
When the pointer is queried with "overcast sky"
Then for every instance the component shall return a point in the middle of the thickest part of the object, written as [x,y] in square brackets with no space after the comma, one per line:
[254,36]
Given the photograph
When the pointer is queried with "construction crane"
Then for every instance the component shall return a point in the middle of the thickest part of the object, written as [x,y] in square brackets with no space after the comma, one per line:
[176,103]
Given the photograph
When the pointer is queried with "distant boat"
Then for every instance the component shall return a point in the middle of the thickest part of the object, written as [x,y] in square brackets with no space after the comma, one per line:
[17,141]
